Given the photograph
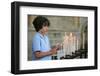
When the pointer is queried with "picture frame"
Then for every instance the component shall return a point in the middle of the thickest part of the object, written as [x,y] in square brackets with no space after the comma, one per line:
[21,10]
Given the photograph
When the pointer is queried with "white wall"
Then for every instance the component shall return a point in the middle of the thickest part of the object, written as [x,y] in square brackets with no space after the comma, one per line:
[5,37]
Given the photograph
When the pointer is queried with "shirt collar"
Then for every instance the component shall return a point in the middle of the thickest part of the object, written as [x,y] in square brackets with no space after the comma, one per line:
[41,35]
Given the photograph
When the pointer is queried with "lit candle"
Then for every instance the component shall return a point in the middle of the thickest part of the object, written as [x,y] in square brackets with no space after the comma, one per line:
[66,44]
[71,43]
[74,38]
[64,47]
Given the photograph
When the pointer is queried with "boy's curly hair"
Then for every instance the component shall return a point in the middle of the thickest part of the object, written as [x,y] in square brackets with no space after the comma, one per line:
[39,22]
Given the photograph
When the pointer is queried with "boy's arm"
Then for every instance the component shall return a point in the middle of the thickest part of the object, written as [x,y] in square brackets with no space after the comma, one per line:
[39,54]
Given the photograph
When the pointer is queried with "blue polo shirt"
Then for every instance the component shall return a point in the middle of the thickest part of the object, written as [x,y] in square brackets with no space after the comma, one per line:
[40,43]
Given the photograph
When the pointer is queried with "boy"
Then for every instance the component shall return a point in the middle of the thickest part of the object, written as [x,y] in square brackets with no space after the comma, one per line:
[40,44]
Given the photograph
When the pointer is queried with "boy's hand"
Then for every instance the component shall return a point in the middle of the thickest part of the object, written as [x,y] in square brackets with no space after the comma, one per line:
[58,46]
[54,50]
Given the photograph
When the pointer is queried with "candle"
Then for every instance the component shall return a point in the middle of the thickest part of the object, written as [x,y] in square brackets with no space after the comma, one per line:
[63,48]
[77,43]
[74,43]
[65,42]
[83,40]
[61,53]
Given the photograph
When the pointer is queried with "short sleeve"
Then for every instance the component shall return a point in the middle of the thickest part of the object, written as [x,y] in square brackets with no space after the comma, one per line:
[36,44]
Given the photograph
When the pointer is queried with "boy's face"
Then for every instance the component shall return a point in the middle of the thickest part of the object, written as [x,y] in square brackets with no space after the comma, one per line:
[44,29]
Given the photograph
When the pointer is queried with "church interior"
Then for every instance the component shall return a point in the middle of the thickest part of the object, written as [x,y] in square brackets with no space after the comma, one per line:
[69,31]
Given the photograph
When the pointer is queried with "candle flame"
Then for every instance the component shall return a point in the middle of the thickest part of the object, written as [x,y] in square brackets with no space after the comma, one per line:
[70,42]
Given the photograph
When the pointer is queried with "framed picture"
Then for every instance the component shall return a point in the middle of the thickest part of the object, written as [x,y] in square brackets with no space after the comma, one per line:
[52,37]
